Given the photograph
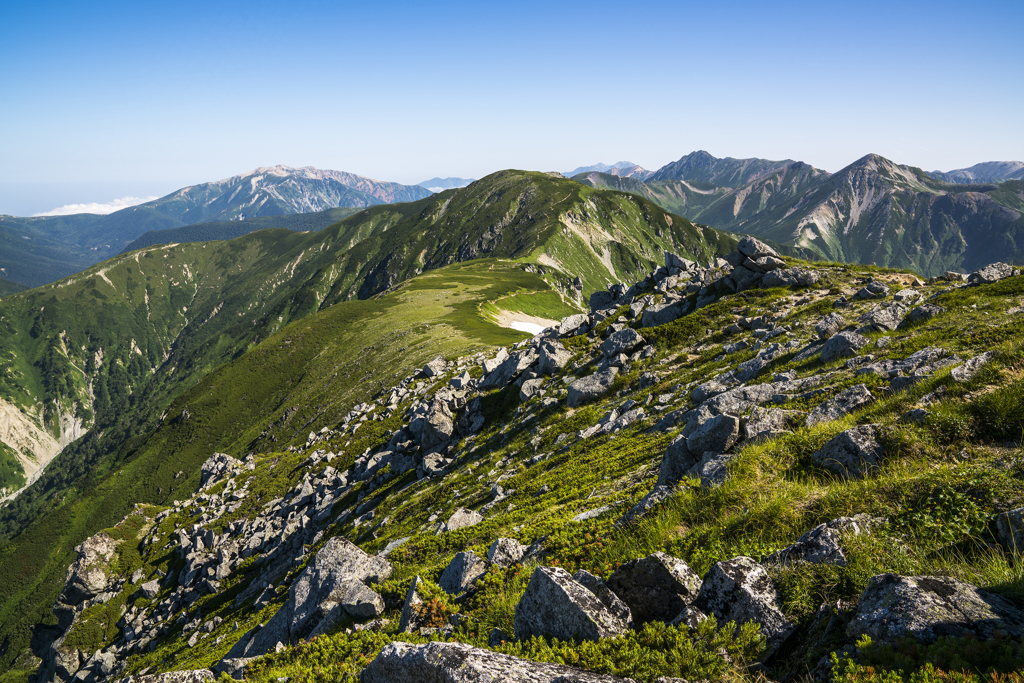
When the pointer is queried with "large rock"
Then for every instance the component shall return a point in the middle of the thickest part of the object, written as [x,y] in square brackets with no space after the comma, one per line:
[331,586]
[677,462]
[442,662]
[842,345]
[663,314]
[851,454]
[529,389]
[591,387]
[195,676]
[434,428]
[713,468]
[753,248]
[991,273]
[656,587]
[1010,530]
[768,423]
[740,590]
[492,364]
[87,576]
[552,357]
[926,608]
[509,369]
[624,341]
[461,572]
[922,313]
[841,404]
[573,325]
[967,371]
[505,552]
[717,434]
[597,586]
[821,545]
[216,467]
[601,299]
[829,325]
[789,277]
[460,519]
[435,368]
[556,605]
[410,617]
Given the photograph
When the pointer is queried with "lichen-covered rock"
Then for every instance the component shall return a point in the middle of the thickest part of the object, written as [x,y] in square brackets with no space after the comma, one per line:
[851,454]
[597,586]
[768,423]
[993,272]
[410,618]
[442,662]
[591,387]
[740,590]
[556,605]
[461,572]
[552,357]
[922,313]
[929,607]
[842,345]
[713,468]
[1010,530]
[573,325]
[789,277]
[505,552]
[841,404]
[821,545]
[829,325]
[460,519]
[624,341]
[196,676]
[655,587]
[967,371]
[435,368]
[87,576]
[676,463]
[717,434]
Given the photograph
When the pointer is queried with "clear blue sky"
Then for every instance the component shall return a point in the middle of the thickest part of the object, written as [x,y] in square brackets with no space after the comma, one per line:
[101,100]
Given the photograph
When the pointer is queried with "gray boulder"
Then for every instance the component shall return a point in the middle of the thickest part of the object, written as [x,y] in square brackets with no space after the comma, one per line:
[790,277]
[196,676]
[768,423]
[713,468]
[829,325]
[887,318]
[509,369]
[663,314]
[677,462]
[492,364]
[464,569]
[1010,530]
[656,587]
[87,576]
[444,662]
[967,371]
[926,608]
[601,299]
[556,605]
[821,545]
[742,278]
[591,387]
[410,618]
[552,357]
[597,586]
[573,325]
[150,589]
[717,434]
[991,273]
[842,345]
[841,404]
[873,290]
[851,454]
[922,313]
[529,389]
[740,590]
[460,519]
[436,427]
[753,248]
[331,586]
[505,552]
[623,341]
[435,368]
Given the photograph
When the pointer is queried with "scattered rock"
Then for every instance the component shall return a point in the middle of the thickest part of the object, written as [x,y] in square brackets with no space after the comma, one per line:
[556,605]
[873,290]
[1010,530]
[505,552]
[829,325]
[967,371]
[460,519]
[464,569]
[991,273]
[435,368]
[443,662]
[552,357]
[655,587]
[740,590]
[196,676]
[597,586]
[717,434]
[769,423]
[922,313]
[677,462]
[926,608]
[841,404]
[851,454]
[821,545]
[842,345]
[591,387]
[624,341]
[573,325]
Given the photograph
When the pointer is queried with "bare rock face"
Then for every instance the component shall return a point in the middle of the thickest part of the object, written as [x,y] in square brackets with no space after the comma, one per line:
[842,403]
[441,662]
[853,453]
[196,676]
[623,341]
[461,572]
[590,387]
[656,587]
[717,434]
[556,605]
[740,590]
[553,357]
[331,586]
[842,345]
[929,607]
[597,586]
[87,577]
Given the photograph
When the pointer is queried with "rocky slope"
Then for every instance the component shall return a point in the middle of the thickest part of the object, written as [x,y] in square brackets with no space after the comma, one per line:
[791,447]
[985,172]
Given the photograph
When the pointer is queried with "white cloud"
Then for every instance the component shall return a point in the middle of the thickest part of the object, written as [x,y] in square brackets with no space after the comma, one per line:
[109,207]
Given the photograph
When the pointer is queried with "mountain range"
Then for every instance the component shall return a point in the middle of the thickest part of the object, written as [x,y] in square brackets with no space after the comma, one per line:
[39,250]
[873,211]
[626,169]
[987,172]
[438,184]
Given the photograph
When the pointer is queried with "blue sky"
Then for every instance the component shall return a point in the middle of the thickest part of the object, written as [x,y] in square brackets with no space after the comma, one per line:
[103,100]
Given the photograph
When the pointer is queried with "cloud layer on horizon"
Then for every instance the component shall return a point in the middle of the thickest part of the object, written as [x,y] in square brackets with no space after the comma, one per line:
[95,207]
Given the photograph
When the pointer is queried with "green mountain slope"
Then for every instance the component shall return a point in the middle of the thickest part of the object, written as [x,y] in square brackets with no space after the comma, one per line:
[226,230]
[559,476]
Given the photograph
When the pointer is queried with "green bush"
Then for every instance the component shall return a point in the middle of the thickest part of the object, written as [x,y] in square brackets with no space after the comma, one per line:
[963,659]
